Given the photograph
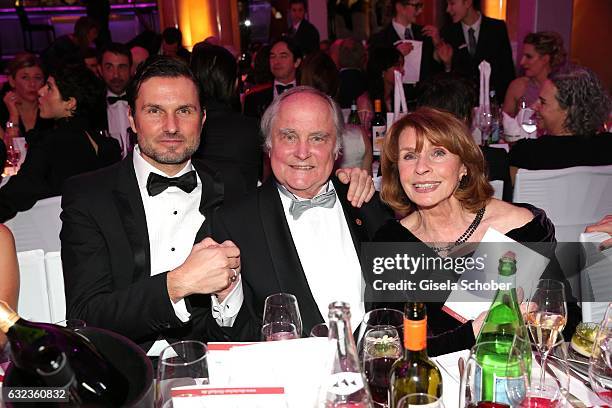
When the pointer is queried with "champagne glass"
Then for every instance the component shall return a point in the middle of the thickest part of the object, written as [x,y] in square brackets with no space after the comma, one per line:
[180,364]
[420,399]
[600,363]
[282,307]
[276,331]
[546,316]
[381,347]
[527,392]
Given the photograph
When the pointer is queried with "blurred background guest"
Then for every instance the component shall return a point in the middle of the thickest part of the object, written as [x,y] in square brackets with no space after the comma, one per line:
[543,53]
[572,109]
[70,48]
[172,45]
[19,95]
[382,64]
[319,71]
[70,96]
[90,59]
[302,32]
[227,136]
[9,273]
[139,55]
[351,62]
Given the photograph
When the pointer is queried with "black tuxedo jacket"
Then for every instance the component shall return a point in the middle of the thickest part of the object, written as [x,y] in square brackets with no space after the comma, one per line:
[106,258]
[256,101]
[388,36]
[269,259]
[306,37]
[231,138]
[493,46]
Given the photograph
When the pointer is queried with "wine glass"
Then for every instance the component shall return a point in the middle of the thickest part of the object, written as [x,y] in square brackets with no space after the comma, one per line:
[319,330]
[486,370]
[180,364]
[276,331]
[420,399]
[546,316]
[484,122]
[282,307]
[13,154]
[380,317]
[528,122]
[600,363]
[381,347]
[528,392]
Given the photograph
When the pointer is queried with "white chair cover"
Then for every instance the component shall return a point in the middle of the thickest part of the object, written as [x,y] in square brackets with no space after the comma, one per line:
[39,227]
[595,278]
[55,286]
[498,187]
[33,299]
[572,198]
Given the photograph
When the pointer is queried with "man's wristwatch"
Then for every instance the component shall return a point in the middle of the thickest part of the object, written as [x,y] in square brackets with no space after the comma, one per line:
[10,125]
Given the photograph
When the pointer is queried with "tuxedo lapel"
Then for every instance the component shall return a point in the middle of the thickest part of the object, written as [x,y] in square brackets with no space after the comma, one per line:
[354,221]
[285,259]
[131,212]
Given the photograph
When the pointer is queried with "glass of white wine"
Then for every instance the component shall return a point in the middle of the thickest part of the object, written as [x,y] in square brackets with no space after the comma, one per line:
[600,363]
[546,317]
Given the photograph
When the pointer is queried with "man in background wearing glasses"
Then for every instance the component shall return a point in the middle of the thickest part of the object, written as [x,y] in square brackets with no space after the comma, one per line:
[402,28]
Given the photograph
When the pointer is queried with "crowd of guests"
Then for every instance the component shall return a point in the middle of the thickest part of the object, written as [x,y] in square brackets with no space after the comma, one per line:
[153,153]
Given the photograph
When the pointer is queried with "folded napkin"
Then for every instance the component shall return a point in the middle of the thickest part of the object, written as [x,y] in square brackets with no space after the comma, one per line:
[485,74]
[511,125]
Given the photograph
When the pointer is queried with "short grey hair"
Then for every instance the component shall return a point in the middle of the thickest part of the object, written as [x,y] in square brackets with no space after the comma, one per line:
[582,95]
[270,113]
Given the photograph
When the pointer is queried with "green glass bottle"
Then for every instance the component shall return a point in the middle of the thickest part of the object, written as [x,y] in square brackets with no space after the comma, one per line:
[504,320]
[353,118]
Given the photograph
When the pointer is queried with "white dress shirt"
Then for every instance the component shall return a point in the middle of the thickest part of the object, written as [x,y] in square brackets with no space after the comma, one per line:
[173,220]
[325,247]
[475,26]
[118,123]
[401,29]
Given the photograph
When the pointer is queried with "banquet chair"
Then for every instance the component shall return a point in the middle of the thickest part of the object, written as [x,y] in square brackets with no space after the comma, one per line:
[595,277]
[38,227]
[55,286]
[33,301]
[28,28]
[498,188]
[572,198]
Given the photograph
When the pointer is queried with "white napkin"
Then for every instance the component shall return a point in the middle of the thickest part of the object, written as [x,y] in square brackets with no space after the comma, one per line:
[485,74]
[511,126]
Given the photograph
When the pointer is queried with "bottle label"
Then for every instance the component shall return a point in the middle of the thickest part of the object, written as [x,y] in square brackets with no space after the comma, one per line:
[415,334]
[496,388]
[378,138]
[345,383]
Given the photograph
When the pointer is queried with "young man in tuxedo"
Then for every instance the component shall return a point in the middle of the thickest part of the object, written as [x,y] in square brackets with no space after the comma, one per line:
[115,69]
[302,32]
[299,232]
[474,37]
[127,235]
[285,58]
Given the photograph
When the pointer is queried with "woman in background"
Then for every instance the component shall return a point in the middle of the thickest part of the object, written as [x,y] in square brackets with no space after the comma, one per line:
[543,54]
[9,273]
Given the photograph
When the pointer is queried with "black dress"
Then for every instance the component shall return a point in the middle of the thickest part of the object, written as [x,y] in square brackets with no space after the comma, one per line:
[58,154]
[445,333]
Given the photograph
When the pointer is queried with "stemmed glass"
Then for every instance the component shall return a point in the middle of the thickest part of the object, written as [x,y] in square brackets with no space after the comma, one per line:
[13,154]
[276,331]
[319,330]
[380,317]
[600,363]
[546,317]
[282,308]
[484,122]
[528,122]
[381,347]
[420,399]
[524,391]
[180,364]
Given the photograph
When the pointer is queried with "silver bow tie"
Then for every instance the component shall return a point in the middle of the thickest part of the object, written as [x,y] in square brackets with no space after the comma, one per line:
[298,207]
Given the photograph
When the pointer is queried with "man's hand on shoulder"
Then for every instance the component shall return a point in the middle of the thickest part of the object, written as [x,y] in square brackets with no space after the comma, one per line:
[361,187]
[208,269]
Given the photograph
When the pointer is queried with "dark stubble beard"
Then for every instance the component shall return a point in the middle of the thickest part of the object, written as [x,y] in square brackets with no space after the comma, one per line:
[170,155]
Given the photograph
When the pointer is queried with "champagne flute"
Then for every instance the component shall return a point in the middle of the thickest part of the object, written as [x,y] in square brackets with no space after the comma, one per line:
[546,316]
[277,331]
[381,347]
[282,307]
[600,363]
[484,122]
[528,393]
[180,364]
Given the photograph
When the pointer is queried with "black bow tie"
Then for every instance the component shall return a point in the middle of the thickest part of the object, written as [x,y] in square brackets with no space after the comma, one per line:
[156,184]
[113,99]
[282,88]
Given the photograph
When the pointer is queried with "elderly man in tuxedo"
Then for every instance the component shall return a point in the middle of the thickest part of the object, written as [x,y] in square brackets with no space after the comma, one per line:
[298,233]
